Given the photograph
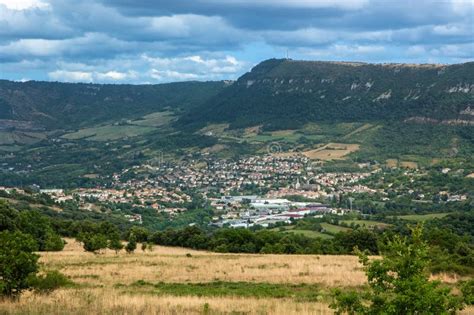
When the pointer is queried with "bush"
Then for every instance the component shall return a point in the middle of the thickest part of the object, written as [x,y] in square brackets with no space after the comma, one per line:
[399,283]
[54,243]
[467,289]
[49,282]
[17,262]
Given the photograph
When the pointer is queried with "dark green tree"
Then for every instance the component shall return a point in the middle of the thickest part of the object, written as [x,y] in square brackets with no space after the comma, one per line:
[94,242]
[132,244]
[17,262]
[115,243]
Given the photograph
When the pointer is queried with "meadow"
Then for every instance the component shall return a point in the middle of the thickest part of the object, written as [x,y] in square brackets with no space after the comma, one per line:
[423,217]
[169,280]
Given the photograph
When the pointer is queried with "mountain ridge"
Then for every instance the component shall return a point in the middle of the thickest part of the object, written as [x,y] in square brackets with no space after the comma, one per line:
[325,91]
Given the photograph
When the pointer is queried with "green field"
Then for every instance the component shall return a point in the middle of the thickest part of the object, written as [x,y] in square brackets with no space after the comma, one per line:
[423,217]
[108,132]
[158,119]
[367,223]
[20,137]
[331,228]
[119,131]
[309,233]
[301,292]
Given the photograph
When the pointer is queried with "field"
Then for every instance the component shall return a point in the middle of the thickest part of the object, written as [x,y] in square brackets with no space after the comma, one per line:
[309,233]
[332,151]
[10,138]
[367,223]
[132,128]
[177,281]
[331,228]
[181,281]
[423,217]
[109,132]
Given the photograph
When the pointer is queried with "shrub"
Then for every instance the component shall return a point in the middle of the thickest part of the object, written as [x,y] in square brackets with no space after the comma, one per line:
[467,289]
[399,283]
[49,282]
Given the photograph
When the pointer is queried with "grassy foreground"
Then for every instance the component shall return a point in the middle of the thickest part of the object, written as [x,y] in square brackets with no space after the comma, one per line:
[181,281]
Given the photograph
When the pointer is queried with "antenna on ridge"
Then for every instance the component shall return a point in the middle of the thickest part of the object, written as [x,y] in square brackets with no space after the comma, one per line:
[287,54]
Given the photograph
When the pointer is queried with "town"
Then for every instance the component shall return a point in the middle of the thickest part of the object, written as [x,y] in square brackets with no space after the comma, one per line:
[256,190]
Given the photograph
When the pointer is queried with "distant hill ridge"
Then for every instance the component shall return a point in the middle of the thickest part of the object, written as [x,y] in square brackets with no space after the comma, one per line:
[55,105]
[283,93]
[277,93]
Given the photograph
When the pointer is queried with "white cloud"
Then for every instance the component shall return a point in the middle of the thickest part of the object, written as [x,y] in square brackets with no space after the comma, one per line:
[91,76]
[172,75]
[23,4]
[71,76]
[463,7]
[116,75]
[201,68]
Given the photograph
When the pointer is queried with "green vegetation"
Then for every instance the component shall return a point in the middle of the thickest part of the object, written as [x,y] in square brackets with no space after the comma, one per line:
[320,91]
[399,283]
[18,262]
[300,292]
[423,217]
[365,223]
[49,282]
[110,132]
[309,233]
[94,242]
[131,245]
[68,105]
[32,223]
[333,229]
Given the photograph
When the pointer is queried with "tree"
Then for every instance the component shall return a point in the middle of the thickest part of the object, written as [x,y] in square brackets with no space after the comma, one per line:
[17,262]
[132,244]
[8,217]
[141,234]
[115,243]
[39,227]
[399,282]
[94,242]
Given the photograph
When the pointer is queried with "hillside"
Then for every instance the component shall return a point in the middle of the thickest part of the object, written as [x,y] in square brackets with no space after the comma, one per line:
[52,105]
[341,114]
[283,94]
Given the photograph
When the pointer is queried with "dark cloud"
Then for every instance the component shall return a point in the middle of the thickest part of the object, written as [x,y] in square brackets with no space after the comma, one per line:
[156,41]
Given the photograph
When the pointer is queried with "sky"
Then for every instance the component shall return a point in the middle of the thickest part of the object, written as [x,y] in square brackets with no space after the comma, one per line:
[157,41]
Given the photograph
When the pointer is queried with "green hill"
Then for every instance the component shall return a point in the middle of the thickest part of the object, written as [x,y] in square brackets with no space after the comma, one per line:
[285,94]
[54,105]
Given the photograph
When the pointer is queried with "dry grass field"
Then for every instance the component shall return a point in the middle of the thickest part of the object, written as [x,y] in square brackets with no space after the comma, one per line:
[168,264]
[107,283]
[332,151]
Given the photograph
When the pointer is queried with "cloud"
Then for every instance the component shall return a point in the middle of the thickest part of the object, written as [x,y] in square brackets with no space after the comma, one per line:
[311,4]
[145,41]
[23,4]
[150,69]
[71,76]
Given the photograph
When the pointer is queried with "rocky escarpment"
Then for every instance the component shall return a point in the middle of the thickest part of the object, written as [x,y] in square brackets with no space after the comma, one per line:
[278,90]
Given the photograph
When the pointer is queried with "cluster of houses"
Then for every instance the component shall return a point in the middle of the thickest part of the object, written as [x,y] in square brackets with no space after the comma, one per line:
[283,176]
[157,198]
